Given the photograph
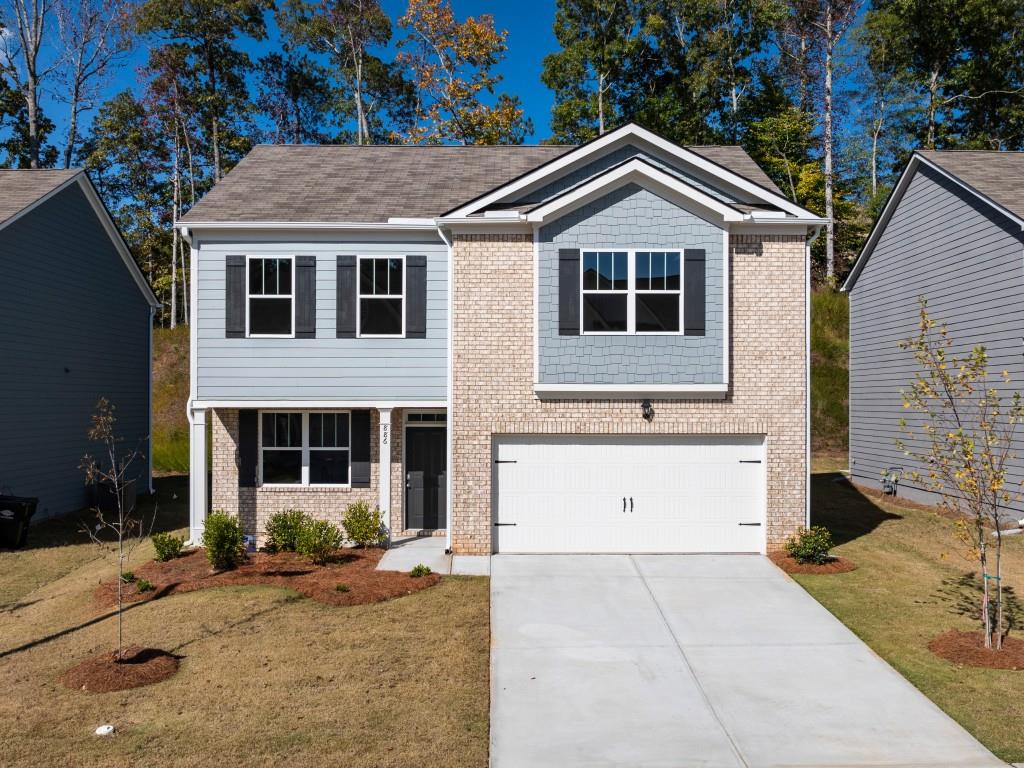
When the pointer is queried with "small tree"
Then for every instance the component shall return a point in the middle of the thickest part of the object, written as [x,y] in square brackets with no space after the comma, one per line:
[113,471]
[969,433]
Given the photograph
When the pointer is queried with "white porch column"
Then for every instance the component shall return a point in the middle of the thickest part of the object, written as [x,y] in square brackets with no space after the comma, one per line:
[384,464]
[197,477]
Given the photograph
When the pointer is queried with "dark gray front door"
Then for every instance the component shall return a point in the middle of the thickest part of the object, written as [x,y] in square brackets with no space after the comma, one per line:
[425,486]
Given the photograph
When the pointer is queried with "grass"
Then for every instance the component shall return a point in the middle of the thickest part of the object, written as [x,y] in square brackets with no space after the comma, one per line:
[267,677]
[830,373]
[170,394]
[913,583]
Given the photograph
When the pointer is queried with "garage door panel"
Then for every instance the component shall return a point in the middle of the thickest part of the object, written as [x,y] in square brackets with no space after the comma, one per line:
[574,493]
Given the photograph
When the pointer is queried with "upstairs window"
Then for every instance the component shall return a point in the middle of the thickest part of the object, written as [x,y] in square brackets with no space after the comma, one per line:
[271,298]
[631,292]
[605,291]
[381,296]
[657,292]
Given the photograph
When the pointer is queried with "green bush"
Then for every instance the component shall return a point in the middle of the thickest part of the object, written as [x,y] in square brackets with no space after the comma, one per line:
[810,545]
[283,530]
[362,525]
[420,570]
[318,540]
[127,577]
[341,588]
[144,586]
[167,546]
[223,540]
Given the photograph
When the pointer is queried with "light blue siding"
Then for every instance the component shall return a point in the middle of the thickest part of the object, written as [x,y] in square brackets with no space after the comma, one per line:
[324,368]
[74,327]
[968,261]
[630,217]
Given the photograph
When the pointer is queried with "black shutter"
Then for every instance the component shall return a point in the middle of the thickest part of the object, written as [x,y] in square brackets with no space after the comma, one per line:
[568,291]
[248,447]
[416,297]
[305,297]
[234,297]
[694,291]
[347,297]
[360,449]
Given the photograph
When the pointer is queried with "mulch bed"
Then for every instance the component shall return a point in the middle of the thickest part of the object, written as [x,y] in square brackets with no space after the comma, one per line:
[790,565]
[968,649]
[352,567]
[102,673]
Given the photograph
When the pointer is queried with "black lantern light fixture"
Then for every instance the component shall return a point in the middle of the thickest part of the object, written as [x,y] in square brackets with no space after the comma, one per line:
[647,410]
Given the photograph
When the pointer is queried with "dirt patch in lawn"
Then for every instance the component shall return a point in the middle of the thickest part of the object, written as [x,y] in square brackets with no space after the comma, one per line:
[790,565]
[103,673]
[350,579]
[968,649]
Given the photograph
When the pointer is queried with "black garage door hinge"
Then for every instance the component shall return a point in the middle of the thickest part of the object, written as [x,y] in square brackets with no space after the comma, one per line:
[505,461]
[750,461]
[497,524]
[758,525]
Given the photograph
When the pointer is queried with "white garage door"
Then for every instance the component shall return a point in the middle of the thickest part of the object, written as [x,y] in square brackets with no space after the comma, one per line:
[581,493]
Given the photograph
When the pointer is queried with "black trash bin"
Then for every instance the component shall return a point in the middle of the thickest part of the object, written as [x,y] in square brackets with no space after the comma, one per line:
[15,513]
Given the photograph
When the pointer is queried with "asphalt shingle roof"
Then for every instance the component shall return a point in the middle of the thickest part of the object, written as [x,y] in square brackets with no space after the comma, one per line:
[338,183]
[996,175]
[20,188]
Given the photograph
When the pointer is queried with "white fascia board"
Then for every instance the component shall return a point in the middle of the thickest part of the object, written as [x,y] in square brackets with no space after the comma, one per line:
[631,391]
[633,171]
[621,136]
[776,227]
[479,225]
[304,405]
[403,225]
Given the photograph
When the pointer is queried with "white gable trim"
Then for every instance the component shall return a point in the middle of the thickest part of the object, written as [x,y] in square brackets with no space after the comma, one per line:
[609,141]
[638,172]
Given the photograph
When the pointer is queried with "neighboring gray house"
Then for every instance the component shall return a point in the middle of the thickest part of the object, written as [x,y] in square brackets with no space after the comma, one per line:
[75,325]
[952,233]
[599,348]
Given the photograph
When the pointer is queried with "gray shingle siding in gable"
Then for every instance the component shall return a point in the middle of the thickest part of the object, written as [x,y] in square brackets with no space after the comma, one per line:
[325,367]
[630,217]
[610,160]
[74,327]
[968,261]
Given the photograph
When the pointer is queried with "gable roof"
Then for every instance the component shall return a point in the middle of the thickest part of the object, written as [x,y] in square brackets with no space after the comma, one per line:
[303,183]
[22,190]
[996,178]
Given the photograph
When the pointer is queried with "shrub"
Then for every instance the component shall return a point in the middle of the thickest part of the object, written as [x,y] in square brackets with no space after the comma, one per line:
[144,586]
[283,530]
[318,540]
[810,545]
[167,546]
[341,588]
[223,540]
[420,570]
[127,577]
[362,525]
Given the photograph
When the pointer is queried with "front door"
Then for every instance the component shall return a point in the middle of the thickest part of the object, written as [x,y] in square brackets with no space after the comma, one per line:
[425,486]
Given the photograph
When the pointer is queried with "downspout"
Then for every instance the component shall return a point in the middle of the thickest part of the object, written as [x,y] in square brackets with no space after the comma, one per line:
[450,431]
[807,380]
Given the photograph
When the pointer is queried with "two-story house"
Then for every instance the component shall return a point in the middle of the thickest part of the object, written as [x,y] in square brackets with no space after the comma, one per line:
[599,348]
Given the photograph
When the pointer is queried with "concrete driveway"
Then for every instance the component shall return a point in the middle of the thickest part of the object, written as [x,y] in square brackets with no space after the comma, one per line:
[666,660]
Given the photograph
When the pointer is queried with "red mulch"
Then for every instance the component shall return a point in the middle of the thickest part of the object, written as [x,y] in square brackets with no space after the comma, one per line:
[352,567]
[968,649]
[102,673]
[790,565]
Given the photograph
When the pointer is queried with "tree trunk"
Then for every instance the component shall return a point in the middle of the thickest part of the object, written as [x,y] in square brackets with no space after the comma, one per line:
[600,104]
[933,107]
[32,109]
[830,263]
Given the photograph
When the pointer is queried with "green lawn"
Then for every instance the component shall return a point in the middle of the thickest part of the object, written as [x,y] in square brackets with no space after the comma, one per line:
[913,583]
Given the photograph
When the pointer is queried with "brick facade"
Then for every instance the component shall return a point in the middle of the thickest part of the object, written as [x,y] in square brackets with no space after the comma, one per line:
[493,329]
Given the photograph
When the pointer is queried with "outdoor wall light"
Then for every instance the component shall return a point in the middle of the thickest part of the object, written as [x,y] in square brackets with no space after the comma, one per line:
[647,410]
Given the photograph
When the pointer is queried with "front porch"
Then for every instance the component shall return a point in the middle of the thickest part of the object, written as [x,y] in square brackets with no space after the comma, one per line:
[321,458]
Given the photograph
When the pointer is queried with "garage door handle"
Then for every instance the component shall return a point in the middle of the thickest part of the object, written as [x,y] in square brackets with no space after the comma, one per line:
[758,525]
[630,503]
[497,524]
[623,503]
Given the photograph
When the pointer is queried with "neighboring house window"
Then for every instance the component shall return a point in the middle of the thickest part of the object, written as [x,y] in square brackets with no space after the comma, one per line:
[631,292]
[304,448]
[381,296]
[271,297]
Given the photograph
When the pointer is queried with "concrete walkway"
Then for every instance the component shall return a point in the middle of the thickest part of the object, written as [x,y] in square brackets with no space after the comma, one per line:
[406,554]
[693,661]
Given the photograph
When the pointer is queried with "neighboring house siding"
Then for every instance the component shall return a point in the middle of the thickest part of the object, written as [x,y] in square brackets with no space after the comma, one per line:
[611,160]
[966,259]
[324,368]
[74,327]
[630,217]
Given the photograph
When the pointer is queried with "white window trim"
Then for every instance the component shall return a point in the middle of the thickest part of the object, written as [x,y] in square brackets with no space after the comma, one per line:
[631,291]
[304,472]
[359,297]
[248,261]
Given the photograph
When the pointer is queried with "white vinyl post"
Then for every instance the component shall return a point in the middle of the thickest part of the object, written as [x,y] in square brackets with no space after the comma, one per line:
[384,463]
[197,477]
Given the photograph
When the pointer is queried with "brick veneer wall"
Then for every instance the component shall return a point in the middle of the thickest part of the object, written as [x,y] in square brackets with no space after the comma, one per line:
[493,375]
[255,505]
